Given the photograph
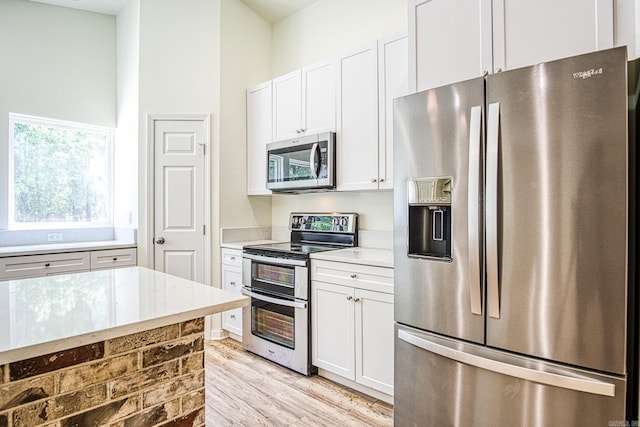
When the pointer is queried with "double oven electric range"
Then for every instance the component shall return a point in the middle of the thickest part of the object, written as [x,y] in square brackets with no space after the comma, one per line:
[277,279]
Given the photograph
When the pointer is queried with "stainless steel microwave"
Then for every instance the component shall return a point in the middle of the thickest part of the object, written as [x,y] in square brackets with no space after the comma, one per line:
[301,164]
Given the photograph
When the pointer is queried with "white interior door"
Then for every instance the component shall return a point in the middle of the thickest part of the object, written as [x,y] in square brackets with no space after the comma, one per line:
[180,150]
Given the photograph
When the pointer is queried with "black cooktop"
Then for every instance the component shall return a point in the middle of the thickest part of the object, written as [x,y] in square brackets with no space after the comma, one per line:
[294,247]
[311,233]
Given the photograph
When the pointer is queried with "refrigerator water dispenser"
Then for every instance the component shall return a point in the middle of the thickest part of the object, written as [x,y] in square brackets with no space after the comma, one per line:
[429,228]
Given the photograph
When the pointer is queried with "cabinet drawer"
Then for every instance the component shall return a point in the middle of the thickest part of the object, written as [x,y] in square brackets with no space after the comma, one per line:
[232,279]
[42,265]
[232,321]
[378,279]
[113,258]
[232,257]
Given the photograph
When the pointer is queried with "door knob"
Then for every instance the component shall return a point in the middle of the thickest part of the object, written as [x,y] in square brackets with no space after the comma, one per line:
[160,240]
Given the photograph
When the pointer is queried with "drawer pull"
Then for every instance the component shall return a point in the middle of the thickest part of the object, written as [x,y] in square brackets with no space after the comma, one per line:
[115,258]
[232,283]
[47,264]
[353,276]
[233,316]
[232,258]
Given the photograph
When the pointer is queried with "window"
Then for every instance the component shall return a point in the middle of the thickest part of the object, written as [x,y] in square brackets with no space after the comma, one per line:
[60,173]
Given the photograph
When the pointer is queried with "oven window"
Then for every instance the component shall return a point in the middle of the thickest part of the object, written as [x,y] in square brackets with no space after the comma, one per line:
[273,273]
[275,279]
[273,322]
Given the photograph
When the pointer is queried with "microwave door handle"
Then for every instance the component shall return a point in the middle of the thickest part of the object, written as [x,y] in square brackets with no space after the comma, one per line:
[313,162]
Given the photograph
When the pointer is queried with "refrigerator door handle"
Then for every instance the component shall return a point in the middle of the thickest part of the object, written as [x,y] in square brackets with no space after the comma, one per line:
[493,286]
[475,141]
[556,380]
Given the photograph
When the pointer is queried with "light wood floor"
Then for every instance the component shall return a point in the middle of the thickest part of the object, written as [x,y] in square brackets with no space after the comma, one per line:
[245,390]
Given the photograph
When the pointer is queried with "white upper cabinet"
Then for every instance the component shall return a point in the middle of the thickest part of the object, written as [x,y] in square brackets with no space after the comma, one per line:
[259,104]
[287,101]
[318,98]
[527,33]
[393,83]
[368,81]
[304,102]
[357,120]
[454,40]
[449,41]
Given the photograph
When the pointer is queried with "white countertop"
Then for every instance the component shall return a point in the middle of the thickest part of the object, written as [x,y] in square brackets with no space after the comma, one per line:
[44,315]
[359,255]
[63,247]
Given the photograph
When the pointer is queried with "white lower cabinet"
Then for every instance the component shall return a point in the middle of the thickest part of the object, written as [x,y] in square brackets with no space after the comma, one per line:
[113,258]
[28,266]
[352,325]
[22,267]
[231,268]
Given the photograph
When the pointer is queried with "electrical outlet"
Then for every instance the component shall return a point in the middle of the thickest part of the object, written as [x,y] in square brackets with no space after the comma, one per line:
[55,237]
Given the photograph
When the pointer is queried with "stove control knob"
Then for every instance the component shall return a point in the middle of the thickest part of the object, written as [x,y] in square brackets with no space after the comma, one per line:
[343,221]
[334,221]
[303,221]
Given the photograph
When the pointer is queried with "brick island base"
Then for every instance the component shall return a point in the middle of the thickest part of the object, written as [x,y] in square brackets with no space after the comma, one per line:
[150,378]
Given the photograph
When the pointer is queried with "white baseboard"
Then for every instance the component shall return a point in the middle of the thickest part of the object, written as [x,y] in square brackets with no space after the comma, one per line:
[354,385]
[218,334]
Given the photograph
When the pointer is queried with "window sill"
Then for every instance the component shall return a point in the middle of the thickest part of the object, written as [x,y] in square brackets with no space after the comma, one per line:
[33,242]
[7,251]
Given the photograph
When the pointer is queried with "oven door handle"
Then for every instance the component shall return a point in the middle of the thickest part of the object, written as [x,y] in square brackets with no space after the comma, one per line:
[277,261]
[302,305]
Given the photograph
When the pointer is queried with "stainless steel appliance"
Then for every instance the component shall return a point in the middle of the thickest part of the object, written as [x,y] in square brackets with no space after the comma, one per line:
[276,277]
[514,253]
[306,163]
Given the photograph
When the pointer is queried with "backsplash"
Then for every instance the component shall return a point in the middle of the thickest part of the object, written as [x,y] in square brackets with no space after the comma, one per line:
[244,234]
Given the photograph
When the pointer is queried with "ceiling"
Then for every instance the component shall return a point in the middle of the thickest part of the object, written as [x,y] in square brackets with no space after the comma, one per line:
[276,10]
[110,7]
[271,10]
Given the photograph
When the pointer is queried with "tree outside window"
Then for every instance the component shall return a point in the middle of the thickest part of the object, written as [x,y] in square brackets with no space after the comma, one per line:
[60,173]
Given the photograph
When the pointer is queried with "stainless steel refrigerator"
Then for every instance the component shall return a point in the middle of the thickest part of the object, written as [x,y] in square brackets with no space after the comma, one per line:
[514,213]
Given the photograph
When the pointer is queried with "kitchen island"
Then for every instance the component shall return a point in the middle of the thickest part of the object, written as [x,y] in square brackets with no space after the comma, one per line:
[112,347]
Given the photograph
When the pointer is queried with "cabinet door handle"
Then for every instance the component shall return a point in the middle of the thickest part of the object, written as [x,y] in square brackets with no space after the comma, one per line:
[374,180]
[232,283]
[353,276]
[349,298]
[381,180]
[232,258]
[115,258]
[47,264]
[357,300]
[233,316]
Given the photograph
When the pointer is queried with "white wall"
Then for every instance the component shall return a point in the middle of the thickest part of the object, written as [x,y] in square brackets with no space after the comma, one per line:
[126,152]
[325,30]
[328,28]
[179,74]
[245,58]
[57,63]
